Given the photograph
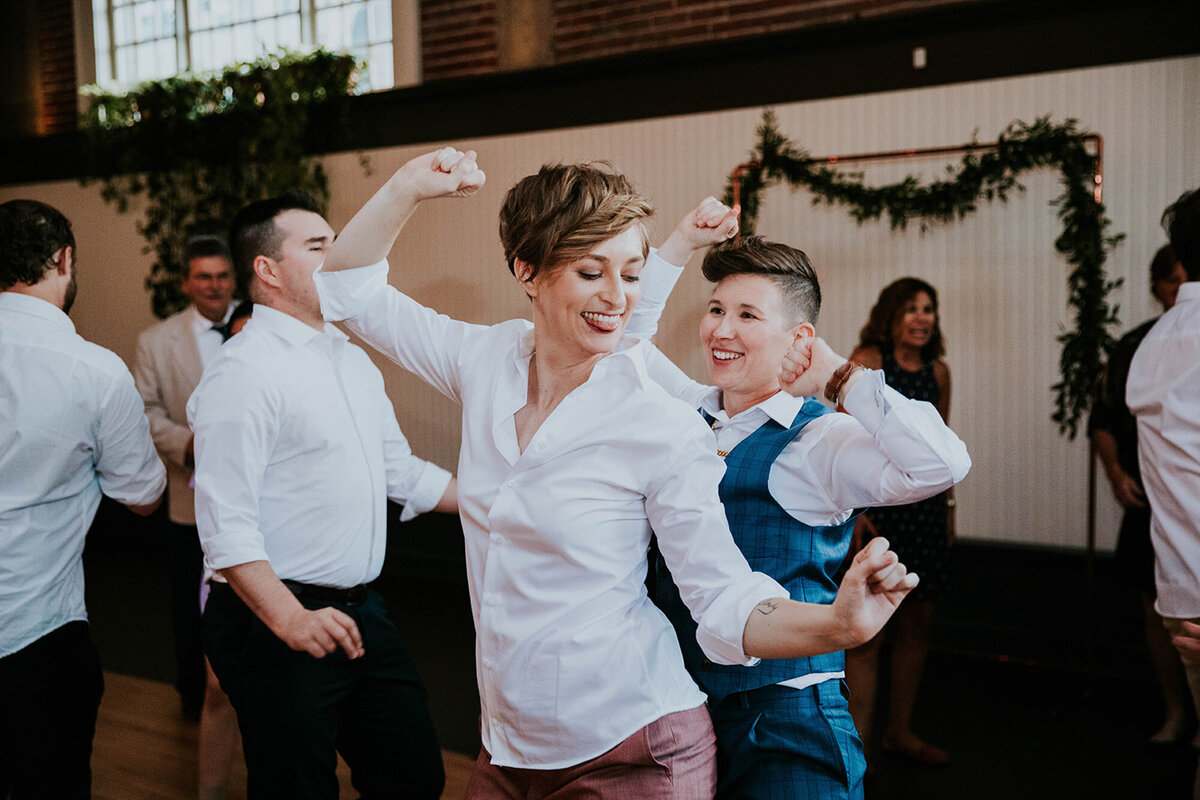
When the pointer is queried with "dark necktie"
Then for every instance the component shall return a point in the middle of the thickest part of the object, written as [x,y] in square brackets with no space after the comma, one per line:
[223,329]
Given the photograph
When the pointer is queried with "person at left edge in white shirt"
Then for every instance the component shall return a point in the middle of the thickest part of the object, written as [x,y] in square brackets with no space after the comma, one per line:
[292,482]
[72,427]
[570,454]
[796,474]
[167,365]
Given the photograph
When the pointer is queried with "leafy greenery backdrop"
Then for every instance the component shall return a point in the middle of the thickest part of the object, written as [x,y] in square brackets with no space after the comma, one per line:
[199,147]
[990,175]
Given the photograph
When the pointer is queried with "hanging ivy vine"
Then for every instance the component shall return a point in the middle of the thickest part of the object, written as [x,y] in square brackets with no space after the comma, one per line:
[991,175]
[199,147]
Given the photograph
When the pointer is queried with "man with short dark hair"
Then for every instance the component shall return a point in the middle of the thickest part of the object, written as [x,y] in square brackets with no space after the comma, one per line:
[170,358]
[1163,392]
[71,427]
[297,452]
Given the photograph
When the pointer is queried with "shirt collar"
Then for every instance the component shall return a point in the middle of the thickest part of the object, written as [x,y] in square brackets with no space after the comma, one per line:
[628,358]
[1189,290]
[36,307]
[781,407]
[201,323]
[290,329]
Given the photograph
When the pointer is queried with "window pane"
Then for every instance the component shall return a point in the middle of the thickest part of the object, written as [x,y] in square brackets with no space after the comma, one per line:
[201,44]
[245,47]
[330,29]
[199,15]
[166,17]
[222,49]
[357,17]
[147,22]
[380,20]
[122,26]
[289,31]
[379,67]
[165,58]
[265,35]
[126,65]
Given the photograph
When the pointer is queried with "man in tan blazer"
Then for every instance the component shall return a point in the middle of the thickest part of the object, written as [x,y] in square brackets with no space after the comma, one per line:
[170,359]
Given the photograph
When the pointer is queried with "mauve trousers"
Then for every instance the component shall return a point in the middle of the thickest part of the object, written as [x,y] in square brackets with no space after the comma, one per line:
[672,758]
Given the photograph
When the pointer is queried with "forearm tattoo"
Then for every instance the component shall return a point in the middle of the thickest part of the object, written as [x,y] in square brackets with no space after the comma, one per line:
[767,606]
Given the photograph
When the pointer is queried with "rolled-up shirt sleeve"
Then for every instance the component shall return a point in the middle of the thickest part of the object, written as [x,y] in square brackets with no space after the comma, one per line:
[235,420]
[127,465]
[714,580]
[894,450]
[416,484]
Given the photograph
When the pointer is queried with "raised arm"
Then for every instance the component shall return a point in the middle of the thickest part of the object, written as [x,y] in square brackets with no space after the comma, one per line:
[706,224]
[894,450]
[368,237]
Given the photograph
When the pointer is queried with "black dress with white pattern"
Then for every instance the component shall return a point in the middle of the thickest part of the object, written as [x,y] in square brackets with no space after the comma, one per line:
[917,531]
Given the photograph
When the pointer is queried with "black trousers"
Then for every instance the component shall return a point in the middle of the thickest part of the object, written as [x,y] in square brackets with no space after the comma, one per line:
[185,563]
[49,696]
[297,712]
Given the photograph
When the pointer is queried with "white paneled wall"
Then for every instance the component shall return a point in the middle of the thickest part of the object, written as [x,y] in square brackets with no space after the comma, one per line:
[1002,284]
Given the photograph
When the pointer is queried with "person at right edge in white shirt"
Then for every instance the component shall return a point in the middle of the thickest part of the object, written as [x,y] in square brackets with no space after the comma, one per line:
[1163,393]
[570,454]
[796,476]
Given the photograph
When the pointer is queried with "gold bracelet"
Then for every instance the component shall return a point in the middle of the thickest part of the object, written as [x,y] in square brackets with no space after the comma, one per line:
[838,379]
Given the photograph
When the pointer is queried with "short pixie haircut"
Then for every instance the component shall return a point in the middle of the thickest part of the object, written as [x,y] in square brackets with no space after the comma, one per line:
[785,266]
[561,213]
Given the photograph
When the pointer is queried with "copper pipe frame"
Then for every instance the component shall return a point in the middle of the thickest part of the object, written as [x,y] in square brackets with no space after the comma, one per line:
[735,177]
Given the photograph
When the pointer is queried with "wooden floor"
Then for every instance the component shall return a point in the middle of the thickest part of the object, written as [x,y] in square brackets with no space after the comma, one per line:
[145,749]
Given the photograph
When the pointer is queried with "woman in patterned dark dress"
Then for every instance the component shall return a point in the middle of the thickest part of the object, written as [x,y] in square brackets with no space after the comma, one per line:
[902,337]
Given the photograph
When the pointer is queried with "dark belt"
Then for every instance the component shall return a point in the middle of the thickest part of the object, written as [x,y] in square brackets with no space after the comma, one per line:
[328,594]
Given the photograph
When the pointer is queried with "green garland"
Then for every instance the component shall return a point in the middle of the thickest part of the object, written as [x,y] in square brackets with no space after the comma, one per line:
[199,147]
[980,176]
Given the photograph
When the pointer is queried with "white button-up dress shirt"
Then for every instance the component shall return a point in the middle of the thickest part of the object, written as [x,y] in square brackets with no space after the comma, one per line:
[297,449]
[887,450]
[1163,392]
[72,426]
[572,657]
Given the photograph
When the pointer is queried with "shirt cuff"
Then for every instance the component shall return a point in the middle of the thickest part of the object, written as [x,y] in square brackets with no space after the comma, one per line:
[659,276]
[428,491]
[733,607]
[867,400]
[345,293]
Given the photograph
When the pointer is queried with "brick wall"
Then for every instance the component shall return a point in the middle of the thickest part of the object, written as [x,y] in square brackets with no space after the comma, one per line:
[459,36]
[57,109]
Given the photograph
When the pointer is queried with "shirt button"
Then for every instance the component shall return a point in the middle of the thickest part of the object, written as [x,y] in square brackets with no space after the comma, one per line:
[540,446]
[497,538]
[489,599]
[487,664]
[512,483]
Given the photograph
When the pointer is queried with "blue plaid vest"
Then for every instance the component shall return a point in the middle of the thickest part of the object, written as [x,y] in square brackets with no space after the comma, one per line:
[803,558]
